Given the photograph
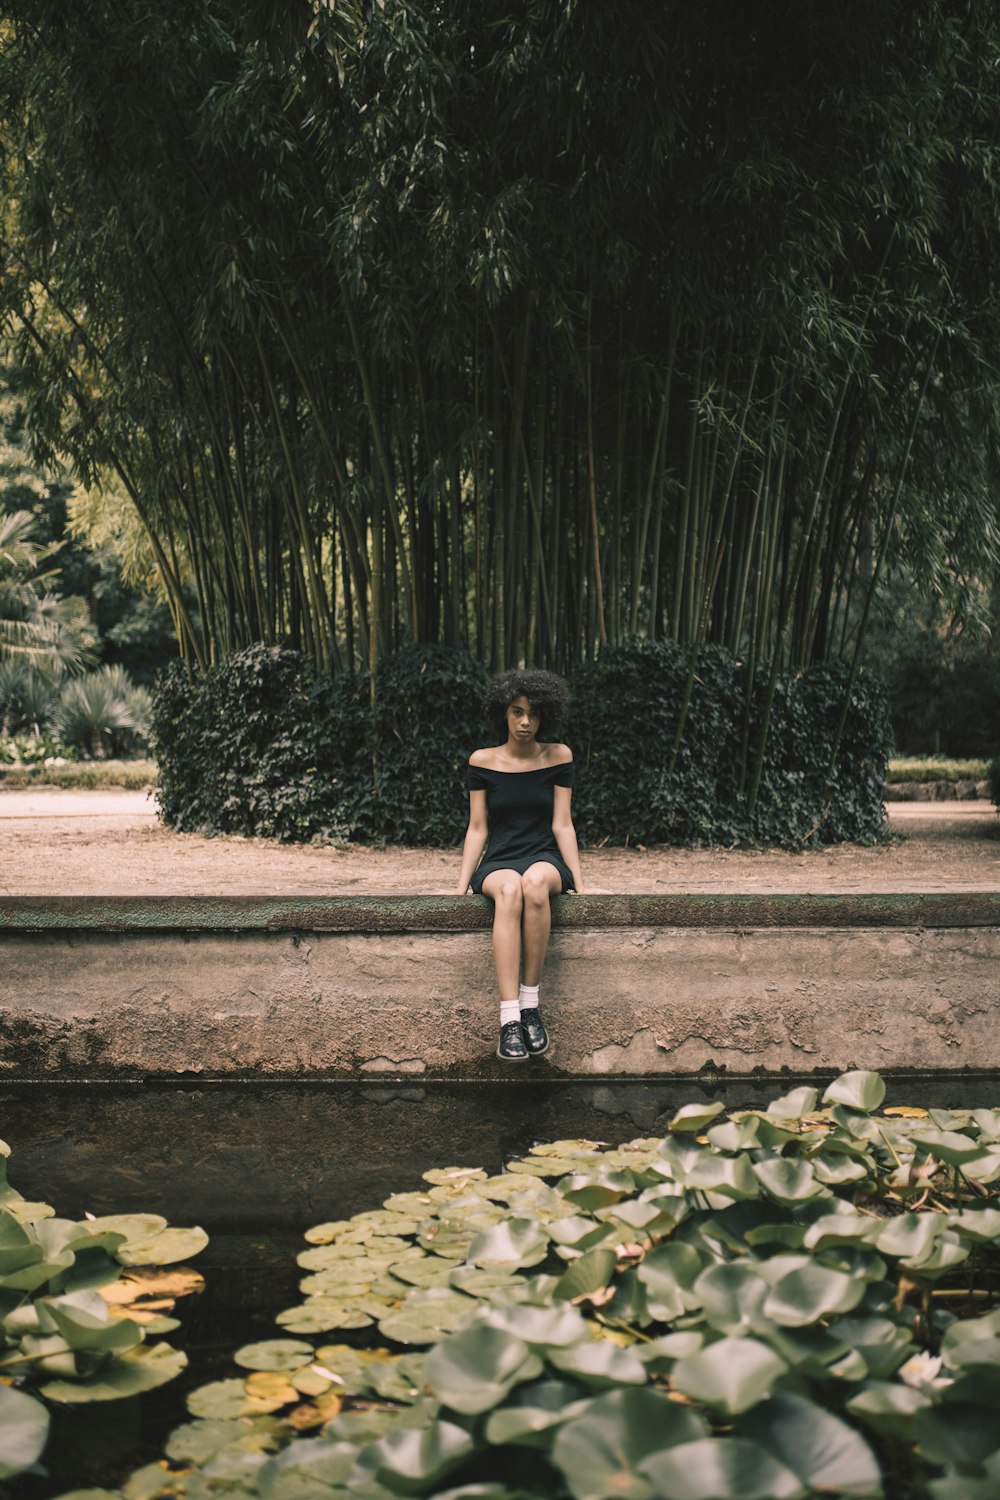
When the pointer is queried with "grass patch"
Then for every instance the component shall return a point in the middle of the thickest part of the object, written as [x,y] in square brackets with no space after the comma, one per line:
[935,768]
[133,775]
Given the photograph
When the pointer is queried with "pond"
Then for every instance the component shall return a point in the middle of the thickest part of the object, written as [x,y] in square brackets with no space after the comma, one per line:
[256,1164]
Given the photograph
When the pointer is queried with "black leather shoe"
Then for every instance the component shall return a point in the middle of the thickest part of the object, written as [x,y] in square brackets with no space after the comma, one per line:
[511,1044]
[536,1038]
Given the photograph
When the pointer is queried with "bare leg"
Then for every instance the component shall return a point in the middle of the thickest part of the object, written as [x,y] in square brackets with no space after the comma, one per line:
[504,889]
[538,883]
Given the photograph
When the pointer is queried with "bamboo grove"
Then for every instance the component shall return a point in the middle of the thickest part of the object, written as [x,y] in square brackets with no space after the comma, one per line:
[521,328]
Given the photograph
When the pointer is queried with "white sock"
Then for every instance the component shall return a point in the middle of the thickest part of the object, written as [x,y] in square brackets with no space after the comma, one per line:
[528,997]
[509,1011]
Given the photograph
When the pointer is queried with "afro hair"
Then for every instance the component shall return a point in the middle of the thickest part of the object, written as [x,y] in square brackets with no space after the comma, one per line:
[547,694]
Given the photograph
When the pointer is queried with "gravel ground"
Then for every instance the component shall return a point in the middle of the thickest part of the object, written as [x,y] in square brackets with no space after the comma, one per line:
[109,843]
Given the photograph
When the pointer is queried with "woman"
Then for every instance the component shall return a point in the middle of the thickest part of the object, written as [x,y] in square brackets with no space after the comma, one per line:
[519,814]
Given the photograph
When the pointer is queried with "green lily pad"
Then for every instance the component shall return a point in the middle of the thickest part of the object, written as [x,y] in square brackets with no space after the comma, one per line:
[414,1460]
[320,1314]
[668,1275]
[426,1315]
[480,1282]
[982,1224]
[858,1090]
[325,1234]
[310,1469]
[198,1442]
[896,1410]
[473,1370]
[350,1279]
[726,1468]
[129,1374]
[596,1191]
[132,1226]
[545,1327]
[431,1271]
[163,1249]
[577,1231]
[840,1229]
[728,1177]
[825,1453]
[788,1181]
[599,1453]
[835,1171]
[731,1374]
[793,1105]
[454,1176]
[959,1433]
[732,1297]
[972,1341]
[692,1119]
[950,1146]
[449,1238]
[600,1363]
[512,1242]
[809,1292]
[275,1354]
[533,1410]
[24,1430]
[735,1135]
[411,1205]
[591,1272]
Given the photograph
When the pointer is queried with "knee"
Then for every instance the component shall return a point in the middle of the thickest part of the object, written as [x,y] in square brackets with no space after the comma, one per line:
[509,897]
[536,890]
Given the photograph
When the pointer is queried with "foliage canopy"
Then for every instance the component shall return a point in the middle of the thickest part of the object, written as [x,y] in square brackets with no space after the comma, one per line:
[521,330]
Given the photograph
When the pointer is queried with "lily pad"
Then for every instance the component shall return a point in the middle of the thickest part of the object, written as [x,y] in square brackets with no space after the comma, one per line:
[793,1105]
[138,1370]
[732,1374]
[692,1119]
[533,1410]
[415,1460]
[426,1315]
[274,1354]
[731,1467]
[319,1315]
[827,1455]
[788,1181]
[859,1090]
[599,1453]
[600,1363]
[512,1242]
[24,1429]
[473,1371]
[163,1249]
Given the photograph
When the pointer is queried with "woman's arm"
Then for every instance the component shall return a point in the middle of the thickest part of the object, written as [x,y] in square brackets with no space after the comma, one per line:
[565,833]
[475,840]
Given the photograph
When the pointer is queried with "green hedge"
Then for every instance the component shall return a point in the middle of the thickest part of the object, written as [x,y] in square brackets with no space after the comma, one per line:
[260,746]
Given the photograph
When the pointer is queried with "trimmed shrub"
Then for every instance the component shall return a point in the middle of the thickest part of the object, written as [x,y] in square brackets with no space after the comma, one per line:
[426,723]
[625,717]
[258,747]
[262,747]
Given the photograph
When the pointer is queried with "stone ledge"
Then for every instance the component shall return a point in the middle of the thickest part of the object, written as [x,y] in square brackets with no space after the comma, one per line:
[390,914]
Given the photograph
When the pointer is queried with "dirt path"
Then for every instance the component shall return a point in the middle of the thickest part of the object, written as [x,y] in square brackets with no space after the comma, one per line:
[110,843]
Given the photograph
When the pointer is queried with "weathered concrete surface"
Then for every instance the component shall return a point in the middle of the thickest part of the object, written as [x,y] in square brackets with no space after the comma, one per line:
[633,1000]
[395,914]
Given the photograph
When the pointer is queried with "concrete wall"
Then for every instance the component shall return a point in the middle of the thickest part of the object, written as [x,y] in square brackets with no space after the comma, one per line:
[140,989]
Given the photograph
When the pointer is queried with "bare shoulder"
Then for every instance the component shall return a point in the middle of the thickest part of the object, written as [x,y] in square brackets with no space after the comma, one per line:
[559,755]
[485,758]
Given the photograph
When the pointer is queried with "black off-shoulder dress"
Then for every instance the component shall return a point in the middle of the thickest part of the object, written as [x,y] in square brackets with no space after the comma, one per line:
[519,808]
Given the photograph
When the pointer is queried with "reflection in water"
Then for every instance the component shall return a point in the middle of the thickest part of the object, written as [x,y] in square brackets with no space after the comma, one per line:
[255,1164]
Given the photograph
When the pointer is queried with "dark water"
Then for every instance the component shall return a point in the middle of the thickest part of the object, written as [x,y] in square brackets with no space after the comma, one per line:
[257,1164]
